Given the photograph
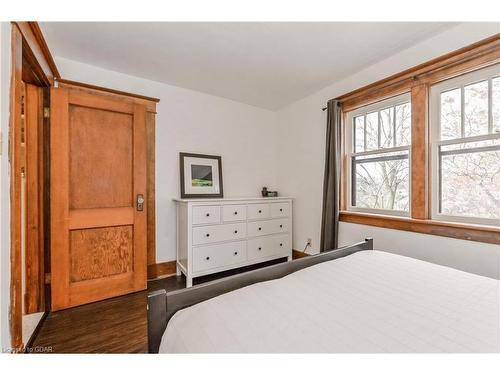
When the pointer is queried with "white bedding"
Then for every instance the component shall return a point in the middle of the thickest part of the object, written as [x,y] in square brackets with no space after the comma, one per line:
[370,301]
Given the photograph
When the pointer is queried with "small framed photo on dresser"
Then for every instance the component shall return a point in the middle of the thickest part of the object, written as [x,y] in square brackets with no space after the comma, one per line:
[201,176]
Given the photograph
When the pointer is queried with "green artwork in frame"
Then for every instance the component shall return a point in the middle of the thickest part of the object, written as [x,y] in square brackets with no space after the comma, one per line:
[201,175]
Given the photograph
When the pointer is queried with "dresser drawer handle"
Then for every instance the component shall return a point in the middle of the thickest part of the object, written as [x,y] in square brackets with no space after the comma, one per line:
[260,211]
[281,244]
[260,228]
[208,234]
[207,258]
[207,215]
[235,231]
[260,248]
[236,212]
[281,210]
[235,253]
[281,225]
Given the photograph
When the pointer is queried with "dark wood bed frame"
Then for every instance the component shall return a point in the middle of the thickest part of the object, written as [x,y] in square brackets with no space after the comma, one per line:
[162,305]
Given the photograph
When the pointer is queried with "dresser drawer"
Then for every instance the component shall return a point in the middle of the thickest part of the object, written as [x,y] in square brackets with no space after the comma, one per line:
[217,256]
[261,247]
[281,244]
[234,212]
[258,211]
[260,228]
[280,209]
[279,226]
[218,233]
[206,215]
[266,227]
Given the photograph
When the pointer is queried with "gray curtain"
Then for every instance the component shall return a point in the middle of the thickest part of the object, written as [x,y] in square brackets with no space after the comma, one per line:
[331,184]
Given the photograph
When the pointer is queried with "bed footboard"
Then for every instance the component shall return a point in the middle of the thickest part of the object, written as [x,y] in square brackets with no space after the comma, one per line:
[162,305]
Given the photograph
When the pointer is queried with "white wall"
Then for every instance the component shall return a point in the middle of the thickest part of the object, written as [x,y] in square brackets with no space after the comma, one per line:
[191,121]
[4,187]
[301,149]
[474,257]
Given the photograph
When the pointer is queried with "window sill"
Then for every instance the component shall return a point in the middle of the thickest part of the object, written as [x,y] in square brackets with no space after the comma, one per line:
[470,232]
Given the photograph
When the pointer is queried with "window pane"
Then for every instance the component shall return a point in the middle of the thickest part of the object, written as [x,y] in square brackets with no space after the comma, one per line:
[495,100]
[450,114]
[359,134]
[476,109]
[372,131]
[387,127]
[381,181]
[470,181]
[403,124]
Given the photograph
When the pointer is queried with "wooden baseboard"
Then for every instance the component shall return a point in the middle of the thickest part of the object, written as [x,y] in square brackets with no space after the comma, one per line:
[296,254]
[161,269]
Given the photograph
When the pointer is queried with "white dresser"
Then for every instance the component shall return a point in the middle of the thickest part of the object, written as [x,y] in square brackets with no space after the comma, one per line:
[214,235]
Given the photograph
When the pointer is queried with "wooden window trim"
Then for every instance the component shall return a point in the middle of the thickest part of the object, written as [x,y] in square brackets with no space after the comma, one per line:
[470,232]
[420,167]
[481,54]
[418,81]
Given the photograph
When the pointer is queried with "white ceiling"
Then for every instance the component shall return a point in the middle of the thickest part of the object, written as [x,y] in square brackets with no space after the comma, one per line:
[268,65]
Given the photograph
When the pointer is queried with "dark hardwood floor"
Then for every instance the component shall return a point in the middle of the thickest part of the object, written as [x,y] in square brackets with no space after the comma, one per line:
[115,325]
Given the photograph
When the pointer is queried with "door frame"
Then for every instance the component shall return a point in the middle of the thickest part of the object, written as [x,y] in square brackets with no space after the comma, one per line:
[32,63]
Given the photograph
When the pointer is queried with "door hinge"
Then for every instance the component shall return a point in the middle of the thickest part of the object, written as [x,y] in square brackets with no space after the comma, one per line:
[46,112]
[47,278]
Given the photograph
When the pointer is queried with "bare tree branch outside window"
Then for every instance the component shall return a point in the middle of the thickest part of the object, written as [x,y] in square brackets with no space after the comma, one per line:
[381,181]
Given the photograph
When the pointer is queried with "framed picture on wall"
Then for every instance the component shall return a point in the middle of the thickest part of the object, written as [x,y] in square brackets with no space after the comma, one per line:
[201,176]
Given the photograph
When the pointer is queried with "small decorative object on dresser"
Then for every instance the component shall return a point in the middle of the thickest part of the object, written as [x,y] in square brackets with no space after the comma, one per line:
[201,176]
[267,193]
[217,235]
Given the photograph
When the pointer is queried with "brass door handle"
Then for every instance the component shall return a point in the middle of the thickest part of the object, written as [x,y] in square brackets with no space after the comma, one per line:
[140,202]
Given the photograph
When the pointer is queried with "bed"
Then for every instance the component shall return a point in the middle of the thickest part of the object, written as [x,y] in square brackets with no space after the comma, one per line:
[348,300]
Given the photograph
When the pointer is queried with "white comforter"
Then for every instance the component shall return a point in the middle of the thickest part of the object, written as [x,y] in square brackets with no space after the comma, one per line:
[370,301]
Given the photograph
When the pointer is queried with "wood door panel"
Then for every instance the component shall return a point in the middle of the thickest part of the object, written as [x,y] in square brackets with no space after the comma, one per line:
[101,252]
[100,163]
[99,217]
[98,167]
[86,98]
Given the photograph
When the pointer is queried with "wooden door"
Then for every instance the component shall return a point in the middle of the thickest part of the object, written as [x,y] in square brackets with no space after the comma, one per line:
[98,171]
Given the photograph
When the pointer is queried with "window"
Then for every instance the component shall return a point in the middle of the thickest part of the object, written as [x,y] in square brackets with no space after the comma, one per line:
[465,126]
[378,147]
[437,169]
